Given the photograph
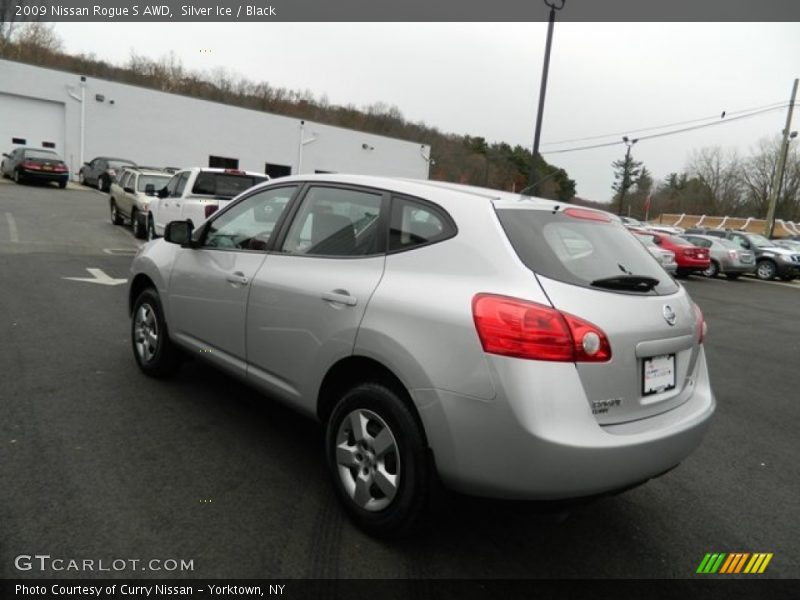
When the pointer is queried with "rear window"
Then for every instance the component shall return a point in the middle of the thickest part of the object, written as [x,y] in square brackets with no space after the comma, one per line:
[157,181]
[225,185]
[45,154]
[580,251]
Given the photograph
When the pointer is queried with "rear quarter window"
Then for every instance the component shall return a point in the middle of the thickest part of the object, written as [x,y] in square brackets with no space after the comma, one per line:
[580,251]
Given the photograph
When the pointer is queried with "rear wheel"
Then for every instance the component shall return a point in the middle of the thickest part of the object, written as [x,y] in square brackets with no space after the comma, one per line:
[62,184]
[155,353]
[712,270]
[766,270]
[116,218]
[378,460]
[17,177]
[136,225]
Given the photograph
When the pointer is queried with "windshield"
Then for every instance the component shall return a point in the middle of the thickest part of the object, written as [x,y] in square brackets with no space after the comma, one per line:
[158,181]
[46,154]
[583,252]
[759,241]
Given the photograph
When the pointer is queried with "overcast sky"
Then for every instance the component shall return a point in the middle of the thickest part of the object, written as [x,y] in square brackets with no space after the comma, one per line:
[482,79]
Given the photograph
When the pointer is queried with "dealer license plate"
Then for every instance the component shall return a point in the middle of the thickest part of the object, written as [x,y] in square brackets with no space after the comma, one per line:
[658,374]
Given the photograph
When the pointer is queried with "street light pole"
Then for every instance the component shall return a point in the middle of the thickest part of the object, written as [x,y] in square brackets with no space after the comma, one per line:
[543,89]
[625,173]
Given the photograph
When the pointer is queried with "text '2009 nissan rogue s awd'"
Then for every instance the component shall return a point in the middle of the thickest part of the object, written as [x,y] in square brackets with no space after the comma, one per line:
[510,346]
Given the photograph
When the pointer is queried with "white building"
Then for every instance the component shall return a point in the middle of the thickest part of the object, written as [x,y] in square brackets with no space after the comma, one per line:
[84,117]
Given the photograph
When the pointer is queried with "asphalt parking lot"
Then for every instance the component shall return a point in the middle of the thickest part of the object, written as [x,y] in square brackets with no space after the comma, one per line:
[99,462]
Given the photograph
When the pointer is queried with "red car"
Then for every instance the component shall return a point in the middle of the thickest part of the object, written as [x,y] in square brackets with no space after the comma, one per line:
[690,258]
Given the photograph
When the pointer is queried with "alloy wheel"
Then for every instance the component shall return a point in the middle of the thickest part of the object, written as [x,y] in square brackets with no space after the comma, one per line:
[145,333]
[368,460]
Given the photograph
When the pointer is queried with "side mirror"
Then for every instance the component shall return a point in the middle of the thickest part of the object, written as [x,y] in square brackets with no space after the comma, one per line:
[6,155]
[149,190]
[163,193]
[178,232]
[86,165]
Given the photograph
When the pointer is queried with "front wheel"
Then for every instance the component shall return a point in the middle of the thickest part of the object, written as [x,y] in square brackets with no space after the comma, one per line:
[151,230]
[766,270]
[155,353]
[116,218]
[712,270]
[378,459]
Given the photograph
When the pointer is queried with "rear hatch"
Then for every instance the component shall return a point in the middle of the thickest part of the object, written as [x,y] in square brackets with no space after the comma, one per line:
[593,268]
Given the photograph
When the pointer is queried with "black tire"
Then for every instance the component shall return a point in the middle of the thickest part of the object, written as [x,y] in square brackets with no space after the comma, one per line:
[732,276]
[103,183]
[682,274]
[407,461]
[151,230]
[82,178]
[713,270]
[18,179]
[159,358]
[136,226]
[62,184]
[116,218]
[766,270]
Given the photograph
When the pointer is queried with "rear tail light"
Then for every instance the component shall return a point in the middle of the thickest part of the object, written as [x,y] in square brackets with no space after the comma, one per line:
[701,329]
[523,329]
[27,164]
[60,168]
[210,209]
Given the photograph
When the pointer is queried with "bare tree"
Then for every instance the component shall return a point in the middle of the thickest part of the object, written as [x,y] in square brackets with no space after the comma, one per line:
[720,174]
[758,171]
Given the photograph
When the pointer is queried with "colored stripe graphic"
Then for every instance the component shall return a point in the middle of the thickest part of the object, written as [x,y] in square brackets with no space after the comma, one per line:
[733,563]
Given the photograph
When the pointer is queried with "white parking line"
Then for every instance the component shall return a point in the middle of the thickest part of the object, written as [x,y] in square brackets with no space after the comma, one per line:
[12,228]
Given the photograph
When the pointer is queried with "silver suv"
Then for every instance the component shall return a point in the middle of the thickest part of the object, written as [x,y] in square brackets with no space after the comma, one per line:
[131,194]
[506,346]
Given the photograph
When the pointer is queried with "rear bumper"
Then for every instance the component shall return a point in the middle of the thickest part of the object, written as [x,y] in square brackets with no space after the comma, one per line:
[538,439]
[44,175]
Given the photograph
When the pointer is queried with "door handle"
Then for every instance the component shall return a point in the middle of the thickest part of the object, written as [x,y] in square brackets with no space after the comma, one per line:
[340,297]
[237,277]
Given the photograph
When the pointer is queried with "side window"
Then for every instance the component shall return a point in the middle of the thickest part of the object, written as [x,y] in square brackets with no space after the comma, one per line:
[250,223]
[173,183]
[182,179]
[415,224]
[127,180]
[336,222]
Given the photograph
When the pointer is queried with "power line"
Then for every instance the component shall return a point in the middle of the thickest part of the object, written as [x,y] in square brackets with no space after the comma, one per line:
[665,133]
[630,131]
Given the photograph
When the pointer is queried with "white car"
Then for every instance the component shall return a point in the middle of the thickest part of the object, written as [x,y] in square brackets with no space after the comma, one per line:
[195,194]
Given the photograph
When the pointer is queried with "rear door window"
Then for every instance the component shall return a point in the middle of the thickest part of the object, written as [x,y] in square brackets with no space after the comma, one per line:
[414,224]
[580,251]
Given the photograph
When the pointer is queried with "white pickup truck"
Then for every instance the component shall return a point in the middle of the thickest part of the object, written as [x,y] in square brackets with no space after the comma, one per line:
[195,194]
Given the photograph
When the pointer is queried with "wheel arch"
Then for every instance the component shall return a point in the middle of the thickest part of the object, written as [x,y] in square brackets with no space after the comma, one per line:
[352,370]
[140,283]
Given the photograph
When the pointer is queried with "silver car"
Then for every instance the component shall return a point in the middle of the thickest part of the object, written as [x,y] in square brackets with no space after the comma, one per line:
[664,256]
[727,257]
[503,345]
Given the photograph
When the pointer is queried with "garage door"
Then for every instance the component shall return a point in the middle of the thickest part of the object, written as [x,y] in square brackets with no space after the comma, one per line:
[31,122]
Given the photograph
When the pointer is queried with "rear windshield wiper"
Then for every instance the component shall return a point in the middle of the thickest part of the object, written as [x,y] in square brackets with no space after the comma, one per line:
[634,283]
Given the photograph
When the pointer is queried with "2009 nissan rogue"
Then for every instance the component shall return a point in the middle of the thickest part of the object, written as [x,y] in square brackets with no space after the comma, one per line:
[511,346]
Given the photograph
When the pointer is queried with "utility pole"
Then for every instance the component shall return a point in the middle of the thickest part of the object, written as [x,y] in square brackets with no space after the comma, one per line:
[778,175]
[542,91]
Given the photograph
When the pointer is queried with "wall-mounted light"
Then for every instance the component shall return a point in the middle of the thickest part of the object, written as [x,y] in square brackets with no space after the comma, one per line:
[366,146]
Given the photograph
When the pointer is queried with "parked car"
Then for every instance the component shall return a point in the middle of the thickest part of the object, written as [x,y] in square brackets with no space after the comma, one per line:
[771,260]
[690,258]
[35,164]
[664,256]
[789,244]
[727,257]
[131,194]
[503,345]
[101,171]
[197,193]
